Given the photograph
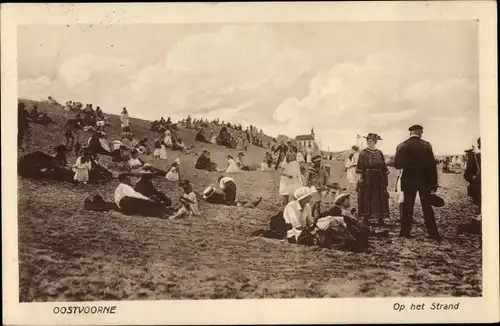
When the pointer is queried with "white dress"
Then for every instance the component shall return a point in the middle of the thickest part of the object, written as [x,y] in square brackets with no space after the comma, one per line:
[163,152]
[309,154]
[81,170]
[124,120]
[168,138]
[172,174]
[104,144]
[289,185]
[134,163]
[232,167]
[350,165]
[116,144]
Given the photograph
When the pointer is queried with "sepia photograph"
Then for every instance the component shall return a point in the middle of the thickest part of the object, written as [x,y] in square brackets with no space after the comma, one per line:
[249,160]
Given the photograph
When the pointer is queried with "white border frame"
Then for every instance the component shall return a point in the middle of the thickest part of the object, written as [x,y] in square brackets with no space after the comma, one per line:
[256,311]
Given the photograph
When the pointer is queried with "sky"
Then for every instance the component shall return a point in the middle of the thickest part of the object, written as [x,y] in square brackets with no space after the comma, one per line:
[342,78]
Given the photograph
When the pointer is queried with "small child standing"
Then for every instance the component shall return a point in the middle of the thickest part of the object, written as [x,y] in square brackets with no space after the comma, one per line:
[81,168]
[163,150]
[157,150]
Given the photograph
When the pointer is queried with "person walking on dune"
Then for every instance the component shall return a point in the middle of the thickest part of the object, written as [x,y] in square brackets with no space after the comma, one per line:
[415,157]
[373,198]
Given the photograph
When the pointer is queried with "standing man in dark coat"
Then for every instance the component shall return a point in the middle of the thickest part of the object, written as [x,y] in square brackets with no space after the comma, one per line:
[416,158]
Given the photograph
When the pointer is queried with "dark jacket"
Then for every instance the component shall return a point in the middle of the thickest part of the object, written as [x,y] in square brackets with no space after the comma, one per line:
[203,163]
[145,187]
[416,158]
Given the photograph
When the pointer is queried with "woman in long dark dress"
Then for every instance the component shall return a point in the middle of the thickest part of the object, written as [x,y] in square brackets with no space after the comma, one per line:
[373,198]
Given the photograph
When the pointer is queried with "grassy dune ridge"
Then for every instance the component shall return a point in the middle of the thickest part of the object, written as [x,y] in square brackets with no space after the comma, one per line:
[69,254]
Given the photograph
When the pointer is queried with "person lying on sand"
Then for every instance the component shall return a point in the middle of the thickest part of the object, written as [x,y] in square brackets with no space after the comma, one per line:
[145,187]
[131,202]
[228,194]
[38,165]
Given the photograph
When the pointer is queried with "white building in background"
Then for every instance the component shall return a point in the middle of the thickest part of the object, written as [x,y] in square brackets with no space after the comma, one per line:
[305,141]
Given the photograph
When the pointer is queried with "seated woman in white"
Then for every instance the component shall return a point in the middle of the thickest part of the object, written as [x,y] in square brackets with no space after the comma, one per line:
[264,167]
[168,138]
[231,167]
[173,172]
[135,163]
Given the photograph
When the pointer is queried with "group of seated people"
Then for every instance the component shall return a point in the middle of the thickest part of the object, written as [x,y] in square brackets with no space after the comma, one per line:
[37,116]
[335,228]
[159,126]
[145,200]
[71,106]
[226,139]
[204,162]
[200,136]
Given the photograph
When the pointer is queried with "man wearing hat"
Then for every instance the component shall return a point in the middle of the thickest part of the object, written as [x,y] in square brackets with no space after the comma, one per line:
[316,176]
[145,186]
[415,157]
[239,162]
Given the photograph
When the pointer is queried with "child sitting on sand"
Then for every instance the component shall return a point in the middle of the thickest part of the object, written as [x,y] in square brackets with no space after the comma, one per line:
[188,201]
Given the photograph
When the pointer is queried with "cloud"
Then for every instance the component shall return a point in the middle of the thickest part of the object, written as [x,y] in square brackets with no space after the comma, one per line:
[385,94]
[237,62]
[83,69]
[203,72]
